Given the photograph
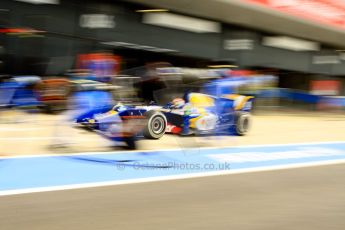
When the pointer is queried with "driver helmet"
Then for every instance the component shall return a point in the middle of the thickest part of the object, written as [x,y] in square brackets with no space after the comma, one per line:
[178,103]
[117,106]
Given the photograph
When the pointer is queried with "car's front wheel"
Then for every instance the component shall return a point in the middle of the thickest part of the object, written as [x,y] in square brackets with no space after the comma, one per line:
[156,125]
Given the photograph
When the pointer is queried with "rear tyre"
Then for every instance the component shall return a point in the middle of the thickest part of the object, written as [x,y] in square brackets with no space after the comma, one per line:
[243,122]
[156,125]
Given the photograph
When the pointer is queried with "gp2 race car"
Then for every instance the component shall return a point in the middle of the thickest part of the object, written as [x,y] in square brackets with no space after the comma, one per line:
[200,114]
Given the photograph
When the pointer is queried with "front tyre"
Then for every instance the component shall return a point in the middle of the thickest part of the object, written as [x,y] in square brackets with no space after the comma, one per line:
[156,125]
[243,121]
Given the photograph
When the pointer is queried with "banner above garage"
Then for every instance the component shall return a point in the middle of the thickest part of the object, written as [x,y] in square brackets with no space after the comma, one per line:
[330,12]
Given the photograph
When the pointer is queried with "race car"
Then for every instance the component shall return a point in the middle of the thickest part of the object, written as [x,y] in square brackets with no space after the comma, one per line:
[196,114]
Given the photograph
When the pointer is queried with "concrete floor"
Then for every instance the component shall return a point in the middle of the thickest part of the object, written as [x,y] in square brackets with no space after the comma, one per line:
[35,134]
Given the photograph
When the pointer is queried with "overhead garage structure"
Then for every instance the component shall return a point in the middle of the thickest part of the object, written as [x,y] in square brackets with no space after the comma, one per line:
[251,14]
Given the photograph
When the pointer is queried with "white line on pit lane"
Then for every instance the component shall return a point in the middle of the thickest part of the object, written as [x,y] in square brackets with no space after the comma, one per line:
[44,138]
[167,178]
[15,129]
[301,152]
[166,150]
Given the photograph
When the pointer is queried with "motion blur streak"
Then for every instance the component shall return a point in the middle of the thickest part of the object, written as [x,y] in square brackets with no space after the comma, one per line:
[90,86]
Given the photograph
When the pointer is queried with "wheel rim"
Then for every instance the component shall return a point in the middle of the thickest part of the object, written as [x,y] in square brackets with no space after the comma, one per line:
[157,125]
[245,124]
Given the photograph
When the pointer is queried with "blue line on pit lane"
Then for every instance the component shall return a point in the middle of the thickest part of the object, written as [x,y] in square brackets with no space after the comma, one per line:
[48,171]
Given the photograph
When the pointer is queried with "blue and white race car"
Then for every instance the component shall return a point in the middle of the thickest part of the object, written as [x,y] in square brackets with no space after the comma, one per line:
[196,114]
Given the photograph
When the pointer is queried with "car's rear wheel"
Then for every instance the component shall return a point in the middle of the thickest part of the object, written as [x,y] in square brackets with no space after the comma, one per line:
[243,122]
[156,125]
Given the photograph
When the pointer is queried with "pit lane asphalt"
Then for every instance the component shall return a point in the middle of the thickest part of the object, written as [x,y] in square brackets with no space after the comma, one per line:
[304,198]
[36,134]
